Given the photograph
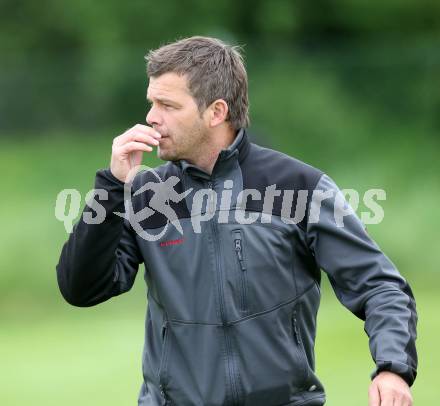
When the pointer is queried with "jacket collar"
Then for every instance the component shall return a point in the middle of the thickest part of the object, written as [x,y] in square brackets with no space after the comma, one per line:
[238,148]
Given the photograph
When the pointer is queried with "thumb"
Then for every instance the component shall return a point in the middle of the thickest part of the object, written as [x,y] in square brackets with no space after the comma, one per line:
[373,395]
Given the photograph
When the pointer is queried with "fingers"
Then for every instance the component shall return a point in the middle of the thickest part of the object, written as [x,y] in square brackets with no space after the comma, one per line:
[137,138]
[390,398]
[139,132]
[379,395]
[403,399]
[127,149]
[386,398]
[134,146]
[373,395]
[392,390]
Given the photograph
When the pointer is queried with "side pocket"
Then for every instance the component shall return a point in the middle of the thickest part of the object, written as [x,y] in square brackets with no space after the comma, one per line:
[302,359]
[163,363]
[242,269]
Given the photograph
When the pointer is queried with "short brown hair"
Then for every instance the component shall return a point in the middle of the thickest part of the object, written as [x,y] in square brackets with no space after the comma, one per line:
[214,71]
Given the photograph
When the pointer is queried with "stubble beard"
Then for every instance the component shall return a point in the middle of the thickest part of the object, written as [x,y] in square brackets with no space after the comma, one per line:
[189,146]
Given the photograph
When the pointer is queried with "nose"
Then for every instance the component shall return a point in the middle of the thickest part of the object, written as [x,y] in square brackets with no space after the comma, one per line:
[153,116]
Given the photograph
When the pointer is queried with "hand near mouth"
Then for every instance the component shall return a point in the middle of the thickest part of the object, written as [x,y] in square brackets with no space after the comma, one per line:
[128,149]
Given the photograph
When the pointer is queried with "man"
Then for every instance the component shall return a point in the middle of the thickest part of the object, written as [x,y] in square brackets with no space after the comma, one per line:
[233,298]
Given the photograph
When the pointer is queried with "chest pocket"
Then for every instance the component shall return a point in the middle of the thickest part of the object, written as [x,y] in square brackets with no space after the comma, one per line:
[259,267]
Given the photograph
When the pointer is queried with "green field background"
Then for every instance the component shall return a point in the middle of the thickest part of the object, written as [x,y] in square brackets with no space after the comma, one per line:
[349,87]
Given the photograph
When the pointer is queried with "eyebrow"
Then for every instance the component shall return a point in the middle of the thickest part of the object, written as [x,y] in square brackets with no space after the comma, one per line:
[162,100]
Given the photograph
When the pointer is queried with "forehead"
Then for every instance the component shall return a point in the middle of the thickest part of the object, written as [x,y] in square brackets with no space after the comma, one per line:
[169,85]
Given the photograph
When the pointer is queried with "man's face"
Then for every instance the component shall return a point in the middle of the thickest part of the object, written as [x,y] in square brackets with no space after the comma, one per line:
[174,114]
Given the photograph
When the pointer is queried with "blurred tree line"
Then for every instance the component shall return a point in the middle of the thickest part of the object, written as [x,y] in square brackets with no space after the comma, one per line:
[80,64]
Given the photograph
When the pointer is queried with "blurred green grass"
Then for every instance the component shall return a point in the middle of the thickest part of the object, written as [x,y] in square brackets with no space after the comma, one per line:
[92,356]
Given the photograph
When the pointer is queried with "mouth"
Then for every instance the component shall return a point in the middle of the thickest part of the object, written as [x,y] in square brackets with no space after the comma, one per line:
[161,133]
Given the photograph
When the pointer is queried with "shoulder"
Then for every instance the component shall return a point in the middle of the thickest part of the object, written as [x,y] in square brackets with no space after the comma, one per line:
[265,166]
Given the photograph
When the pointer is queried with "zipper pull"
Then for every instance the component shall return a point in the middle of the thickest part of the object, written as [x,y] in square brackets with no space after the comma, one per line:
[165,400]
[295,328]
[164,327]
[238,251]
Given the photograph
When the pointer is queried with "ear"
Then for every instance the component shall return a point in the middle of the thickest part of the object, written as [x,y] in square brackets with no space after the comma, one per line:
[217,113]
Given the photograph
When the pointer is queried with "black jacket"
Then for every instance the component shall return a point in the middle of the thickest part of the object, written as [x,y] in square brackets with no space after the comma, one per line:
[231,317]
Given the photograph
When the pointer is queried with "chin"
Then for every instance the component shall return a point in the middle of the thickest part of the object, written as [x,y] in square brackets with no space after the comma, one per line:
[166,155]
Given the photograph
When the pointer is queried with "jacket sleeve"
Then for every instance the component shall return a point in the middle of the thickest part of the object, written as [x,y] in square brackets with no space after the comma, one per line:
[99,261]
[365,281]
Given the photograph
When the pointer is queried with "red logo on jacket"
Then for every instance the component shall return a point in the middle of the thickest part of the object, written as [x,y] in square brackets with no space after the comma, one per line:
[171,242]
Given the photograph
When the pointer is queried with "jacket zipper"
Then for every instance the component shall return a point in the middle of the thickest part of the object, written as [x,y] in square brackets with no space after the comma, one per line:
[230,360]
[295,328]
[239,251]
[298,340]
[162,387]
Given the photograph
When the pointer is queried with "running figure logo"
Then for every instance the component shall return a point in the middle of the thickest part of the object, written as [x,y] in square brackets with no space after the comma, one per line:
[163,193]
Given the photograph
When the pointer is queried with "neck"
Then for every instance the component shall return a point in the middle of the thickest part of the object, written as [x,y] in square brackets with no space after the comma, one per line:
[207,155]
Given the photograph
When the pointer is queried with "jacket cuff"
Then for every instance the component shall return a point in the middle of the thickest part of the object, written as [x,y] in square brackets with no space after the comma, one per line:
[405,371]
[108,175]
[105,180]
